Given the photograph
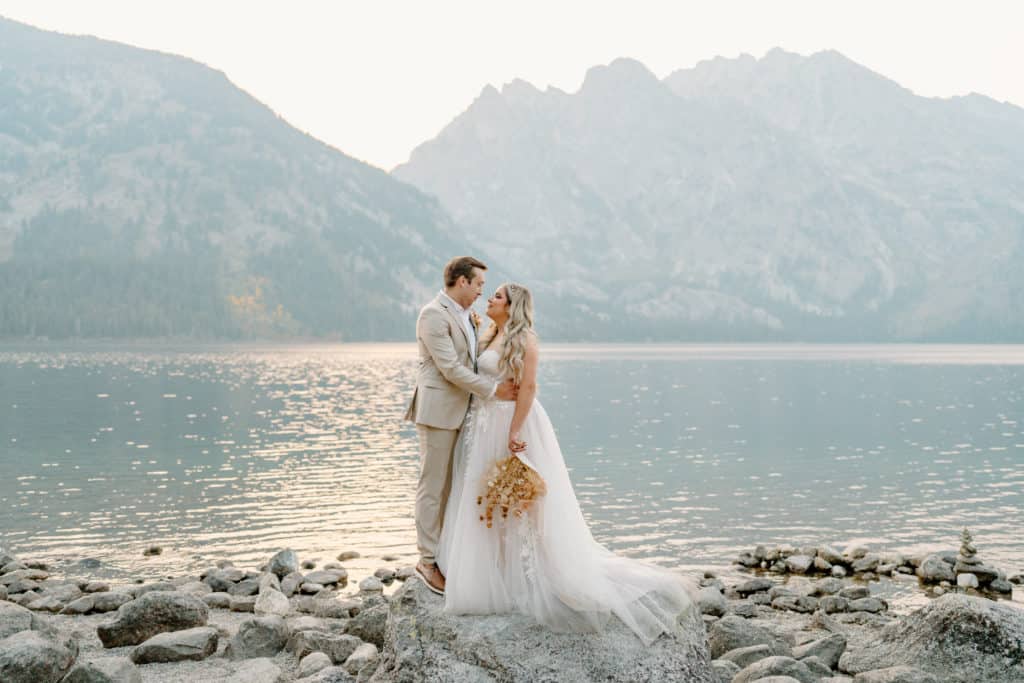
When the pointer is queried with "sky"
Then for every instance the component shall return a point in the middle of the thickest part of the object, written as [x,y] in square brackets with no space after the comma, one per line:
[375,78]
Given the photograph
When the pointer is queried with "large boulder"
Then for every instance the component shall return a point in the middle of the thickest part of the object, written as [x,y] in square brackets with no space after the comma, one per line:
[30,657]
[424,643]
[259,637]
[732,632]
[775,666]
[14,619]
[150,614]
[104,670]
[958,638]
[370,624]
[177,646]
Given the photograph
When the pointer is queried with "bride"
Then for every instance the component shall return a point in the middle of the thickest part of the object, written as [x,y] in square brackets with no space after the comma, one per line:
[514,538]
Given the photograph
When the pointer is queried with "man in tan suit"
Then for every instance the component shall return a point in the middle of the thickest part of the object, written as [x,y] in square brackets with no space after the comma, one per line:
[447,334]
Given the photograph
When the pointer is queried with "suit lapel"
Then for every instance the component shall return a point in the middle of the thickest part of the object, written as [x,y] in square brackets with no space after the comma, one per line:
[458,324]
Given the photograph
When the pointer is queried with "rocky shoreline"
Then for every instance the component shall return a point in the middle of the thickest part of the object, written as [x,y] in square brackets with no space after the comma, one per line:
[291,621]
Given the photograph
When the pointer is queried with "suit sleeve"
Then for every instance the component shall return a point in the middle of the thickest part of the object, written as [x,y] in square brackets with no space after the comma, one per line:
[434,332]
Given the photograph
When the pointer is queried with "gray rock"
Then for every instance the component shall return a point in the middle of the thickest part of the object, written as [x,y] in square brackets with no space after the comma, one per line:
[268,581]
[725,670]
[799,564]
[711,601]
[885,569]
[312,663]
[46,603]
[242,603]
[153,613]
[822,565]
[291,583]
[934,569]
[830,554]
[218,582]
[258,637]
[780,590]
[745,609]
[369,625]
[838,571]
[386,575]
[873,605]
[327,577]
[193,644]
[334,674]
[424,643]
[371,584]
[404,573]
[1017,579]
[283,563]
[3,592]
[337,647]
[754,586]
[310,588]
[13,577]
[219,600]
[868,563]
[817,667]
[64,592]
[828,586]
[828,649]
[855,592]
[104,670]
[760,599]
[804,604]
[775,666]
[108,602]
[98,587]
[29,657]
[831,604]
[271,601]
[745,656]
[347,555]
[896,674]
[158,586]
[856,552]
[958,638]
[245,588]
[731,632]
[260,670]
[14,619]
[335,609]
[364,654]
[1001,586]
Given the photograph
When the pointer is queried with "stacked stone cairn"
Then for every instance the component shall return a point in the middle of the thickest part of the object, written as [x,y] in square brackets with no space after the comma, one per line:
[939,571]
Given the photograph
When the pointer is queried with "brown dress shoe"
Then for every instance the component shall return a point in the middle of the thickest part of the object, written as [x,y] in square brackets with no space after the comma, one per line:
[431,576]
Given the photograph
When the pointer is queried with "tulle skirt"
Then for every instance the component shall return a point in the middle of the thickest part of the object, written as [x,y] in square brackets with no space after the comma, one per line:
[544,563]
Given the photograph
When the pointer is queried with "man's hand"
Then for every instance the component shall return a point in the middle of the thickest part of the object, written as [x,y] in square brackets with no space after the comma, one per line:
[507,391]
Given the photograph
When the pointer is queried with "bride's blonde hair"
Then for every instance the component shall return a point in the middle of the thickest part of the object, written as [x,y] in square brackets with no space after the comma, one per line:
[518,329]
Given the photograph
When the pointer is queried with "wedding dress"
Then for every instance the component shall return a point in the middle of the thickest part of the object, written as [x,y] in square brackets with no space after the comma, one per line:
[545,563]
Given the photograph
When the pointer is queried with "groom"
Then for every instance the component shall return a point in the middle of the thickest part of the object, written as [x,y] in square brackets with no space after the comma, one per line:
[447,335]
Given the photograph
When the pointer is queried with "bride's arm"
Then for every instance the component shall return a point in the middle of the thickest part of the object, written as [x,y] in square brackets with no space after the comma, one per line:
[527,392]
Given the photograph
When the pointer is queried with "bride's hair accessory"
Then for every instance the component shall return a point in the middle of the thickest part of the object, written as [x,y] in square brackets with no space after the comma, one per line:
[511,486]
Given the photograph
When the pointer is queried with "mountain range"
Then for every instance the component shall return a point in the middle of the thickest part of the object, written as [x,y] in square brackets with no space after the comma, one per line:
[784,198]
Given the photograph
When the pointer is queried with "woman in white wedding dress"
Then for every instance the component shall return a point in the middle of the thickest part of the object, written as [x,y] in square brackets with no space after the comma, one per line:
[538,558]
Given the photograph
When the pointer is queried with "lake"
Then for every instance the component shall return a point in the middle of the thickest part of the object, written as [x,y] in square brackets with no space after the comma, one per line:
[681,455]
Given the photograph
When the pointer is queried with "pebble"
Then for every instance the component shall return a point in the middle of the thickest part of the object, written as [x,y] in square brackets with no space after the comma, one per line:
[347,555]
[152,551]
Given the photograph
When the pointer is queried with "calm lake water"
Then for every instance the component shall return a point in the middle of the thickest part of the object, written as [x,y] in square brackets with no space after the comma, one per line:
[682,455]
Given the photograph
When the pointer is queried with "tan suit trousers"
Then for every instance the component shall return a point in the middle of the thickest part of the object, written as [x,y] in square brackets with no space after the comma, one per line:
[436,449]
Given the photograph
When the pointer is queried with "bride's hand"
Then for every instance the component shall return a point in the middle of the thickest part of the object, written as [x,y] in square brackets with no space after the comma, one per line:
[515,445]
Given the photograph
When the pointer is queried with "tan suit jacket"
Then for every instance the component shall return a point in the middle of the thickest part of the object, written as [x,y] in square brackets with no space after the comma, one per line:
[446,376]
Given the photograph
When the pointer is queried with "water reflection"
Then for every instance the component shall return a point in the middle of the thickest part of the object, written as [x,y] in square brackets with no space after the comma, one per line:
[683,455]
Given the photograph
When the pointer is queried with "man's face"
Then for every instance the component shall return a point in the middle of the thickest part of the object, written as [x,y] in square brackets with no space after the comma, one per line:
[475,287]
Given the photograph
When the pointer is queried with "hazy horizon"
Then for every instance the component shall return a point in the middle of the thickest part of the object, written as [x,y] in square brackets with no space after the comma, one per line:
[404,71]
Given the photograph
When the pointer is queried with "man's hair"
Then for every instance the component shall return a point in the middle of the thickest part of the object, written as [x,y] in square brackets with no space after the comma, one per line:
[461,266]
